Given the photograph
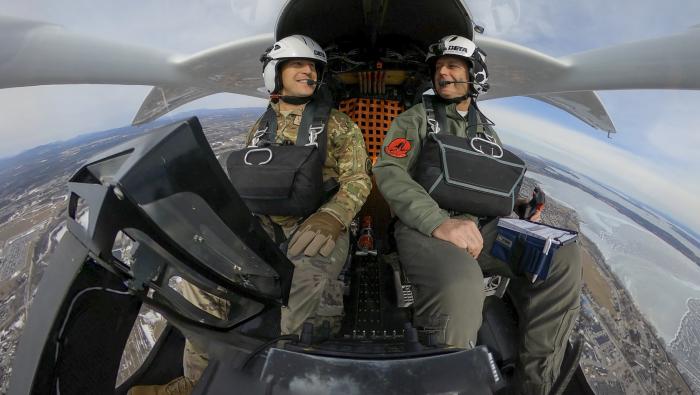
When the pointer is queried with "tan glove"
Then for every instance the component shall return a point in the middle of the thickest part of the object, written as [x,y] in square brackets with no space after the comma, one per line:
[315,235]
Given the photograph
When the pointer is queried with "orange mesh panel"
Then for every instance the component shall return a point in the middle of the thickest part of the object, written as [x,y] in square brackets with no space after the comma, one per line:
[373,116]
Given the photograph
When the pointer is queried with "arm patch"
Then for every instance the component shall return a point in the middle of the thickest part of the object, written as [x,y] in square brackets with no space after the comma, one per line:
[398,147]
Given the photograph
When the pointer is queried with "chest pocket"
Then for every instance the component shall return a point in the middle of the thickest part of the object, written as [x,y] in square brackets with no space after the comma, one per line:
[279,179]
[474,175]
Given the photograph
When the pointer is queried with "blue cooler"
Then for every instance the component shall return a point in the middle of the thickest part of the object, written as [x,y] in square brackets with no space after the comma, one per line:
[529,248]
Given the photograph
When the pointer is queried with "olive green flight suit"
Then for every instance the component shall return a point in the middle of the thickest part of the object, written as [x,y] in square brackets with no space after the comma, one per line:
[449,281]
[316,293]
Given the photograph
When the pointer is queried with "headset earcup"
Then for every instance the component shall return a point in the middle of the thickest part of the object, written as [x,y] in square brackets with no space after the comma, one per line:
[479,73]
[270,75]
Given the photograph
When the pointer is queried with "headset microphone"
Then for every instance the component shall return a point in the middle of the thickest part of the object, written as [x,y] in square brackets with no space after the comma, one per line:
[311,82]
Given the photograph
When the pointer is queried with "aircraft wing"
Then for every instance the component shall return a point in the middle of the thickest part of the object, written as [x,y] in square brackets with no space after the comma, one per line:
[567,83]
[584,105]
[35,53]
[234,68]
[38,53]
[671,62]
[162,100]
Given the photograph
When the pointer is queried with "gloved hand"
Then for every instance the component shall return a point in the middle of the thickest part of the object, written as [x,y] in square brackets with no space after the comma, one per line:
[315,235]
[520,207]
[523,209]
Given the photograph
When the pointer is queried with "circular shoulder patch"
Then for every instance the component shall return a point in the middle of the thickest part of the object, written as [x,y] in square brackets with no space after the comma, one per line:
[398,148]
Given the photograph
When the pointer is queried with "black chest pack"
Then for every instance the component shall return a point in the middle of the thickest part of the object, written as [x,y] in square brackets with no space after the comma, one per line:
[474,175]
[286,178]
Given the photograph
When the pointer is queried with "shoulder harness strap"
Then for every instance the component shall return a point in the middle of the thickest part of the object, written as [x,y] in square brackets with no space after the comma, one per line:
[267,129]
[313,123]
[476,120]
[483,140]
[435,114]
[314,120]
[437,118]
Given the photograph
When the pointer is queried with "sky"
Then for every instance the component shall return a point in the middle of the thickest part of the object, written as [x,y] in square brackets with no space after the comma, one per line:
[653,157]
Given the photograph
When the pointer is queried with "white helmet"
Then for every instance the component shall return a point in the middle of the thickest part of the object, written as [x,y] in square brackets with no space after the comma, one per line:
[292,47]
[465,48]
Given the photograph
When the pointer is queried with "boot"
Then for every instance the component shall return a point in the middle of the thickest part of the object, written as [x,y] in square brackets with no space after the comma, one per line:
[179,386]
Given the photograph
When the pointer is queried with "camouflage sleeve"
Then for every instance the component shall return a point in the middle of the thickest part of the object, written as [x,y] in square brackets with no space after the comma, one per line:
[400,151]
[348,149]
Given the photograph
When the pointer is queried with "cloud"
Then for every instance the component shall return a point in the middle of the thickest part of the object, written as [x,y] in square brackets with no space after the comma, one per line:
[669,188]
[182,26]
[259,14]
[37,115]
[677,139]
[563,28]
[41,114]
[660,125]
[512,20]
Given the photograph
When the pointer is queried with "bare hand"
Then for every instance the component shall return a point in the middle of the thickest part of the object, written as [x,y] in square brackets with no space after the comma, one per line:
[462,233]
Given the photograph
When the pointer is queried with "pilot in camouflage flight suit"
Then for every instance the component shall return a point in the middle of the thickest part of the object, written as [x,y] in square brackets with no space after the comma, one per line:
[444,253]
[319,244]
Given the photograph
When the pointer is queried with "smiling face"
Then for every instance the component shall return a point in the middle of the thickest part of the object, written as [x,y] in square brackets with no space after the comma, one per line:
[295,74]
[451,68]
